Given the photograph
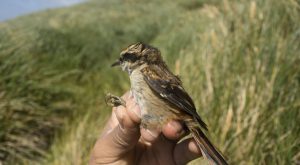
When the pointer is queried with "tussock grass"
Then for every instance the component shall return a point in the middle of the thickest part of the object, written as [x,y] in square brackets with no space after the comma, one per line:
[240,61]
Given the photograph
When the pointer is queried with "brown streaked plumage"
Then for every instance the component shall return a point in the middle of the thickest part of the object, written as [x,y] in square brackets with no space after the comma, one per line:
[161,96]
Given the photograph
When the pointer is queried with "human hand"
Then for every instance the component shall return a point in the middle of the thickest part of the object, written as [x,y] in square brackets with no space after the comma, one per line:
[124,142]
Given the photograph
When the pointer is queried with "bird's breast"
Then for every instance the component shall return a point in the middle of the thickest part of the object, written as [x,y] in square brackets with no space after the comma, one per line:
[148,101]
[139,88]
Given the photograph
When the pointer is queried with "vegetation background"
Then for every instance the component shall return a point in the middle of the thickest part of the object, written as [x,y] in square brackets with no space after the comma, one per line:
[239,60]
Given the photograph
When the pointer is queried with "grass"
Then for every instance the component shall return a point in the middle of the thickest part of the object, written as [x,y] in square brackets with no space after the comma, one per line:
[239,60]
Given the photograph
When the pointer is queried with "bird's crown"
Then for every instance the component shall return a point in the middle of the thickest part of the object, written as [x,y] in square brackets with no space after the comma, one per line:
[141,52]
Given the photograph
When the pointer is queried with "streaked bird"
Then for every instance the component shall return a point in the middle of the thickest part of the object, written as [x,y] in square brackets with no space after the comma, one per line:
[161,96]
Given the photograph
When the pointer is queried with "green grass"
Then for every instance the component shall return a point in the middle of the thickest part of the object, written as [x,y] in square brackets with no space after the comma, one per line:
[239,60]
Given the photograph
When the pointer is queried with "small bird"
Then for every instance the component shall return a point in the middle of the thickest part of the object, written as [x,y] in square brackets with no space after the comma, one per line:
[161,96]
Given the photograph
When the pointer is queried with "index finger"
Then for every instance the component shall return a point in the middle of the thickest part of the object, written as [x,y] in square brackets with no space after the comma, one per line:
[173,130]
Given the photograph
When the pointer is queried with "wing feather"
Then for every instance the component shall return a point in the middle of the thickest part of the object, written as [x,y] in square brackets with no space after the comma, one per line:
[169,87]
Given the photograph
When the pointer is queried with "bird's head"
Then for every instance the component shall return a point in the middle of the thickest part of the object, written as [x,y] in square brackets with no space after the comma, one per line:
[137,55]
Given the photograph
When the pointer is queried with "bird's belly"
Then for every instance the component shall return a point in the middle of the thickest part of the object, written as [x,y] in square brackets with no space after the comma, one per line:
[151,105]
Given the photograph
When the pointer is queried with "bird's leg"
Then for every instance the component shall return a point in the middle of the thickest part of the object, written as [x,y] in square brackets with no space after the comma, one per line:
[114,101]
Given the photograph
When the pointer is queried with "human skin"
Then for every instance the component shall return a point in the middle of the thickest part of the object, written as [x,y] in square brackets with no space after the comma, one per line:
[123,142]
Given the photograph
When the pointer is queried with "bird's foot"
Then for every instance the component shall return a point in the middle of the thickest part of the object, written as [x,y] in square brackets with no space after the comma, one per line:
[114,101]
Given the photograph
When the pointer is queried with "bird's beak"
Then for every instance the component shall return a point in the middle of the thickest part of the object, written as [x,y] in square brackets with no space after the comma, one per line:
[117,63]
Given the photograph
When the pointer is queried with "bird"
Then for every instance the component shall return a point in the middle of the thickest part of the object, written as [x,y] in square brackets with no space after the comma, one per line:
[161,96]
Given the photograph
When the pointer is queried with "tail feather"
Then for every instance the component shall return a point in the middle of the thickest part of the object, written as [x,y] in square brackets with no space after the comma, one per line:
[207,148]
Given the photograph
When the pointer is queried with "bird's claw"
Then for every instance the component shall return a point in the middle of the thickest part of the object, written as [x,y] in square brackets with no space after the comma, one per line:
[114,101]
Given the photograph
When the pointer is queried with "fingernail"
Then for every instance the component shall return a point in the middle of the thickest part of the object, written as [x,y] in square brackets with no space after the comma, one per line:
[153,133]
[108,132]
[136,109]
[194,147]
[177,127]
[121,123]
[133,106]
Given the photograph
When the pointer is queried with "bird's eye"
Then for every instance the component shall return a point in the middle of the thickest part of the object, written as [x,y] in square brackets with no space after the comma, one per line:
[130,57]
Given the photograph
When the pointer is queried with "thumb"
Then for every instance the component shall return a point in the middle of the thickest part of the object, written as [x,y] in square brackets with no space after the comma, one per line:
[122,138]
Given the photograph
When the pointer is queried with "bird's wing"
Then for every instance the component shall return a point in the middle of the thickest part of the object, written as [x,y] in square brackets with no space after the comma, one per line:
[169,87]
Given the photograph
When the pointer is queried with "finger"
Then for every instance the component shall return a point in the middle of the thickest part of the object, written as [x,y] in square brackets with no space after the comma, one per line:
[133,110]
[119,141]
[128,124]
[163,149]
[124,136]
[173,130]
[110,125]
[149,136]
[186,151]
[113,120]
[114,145]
